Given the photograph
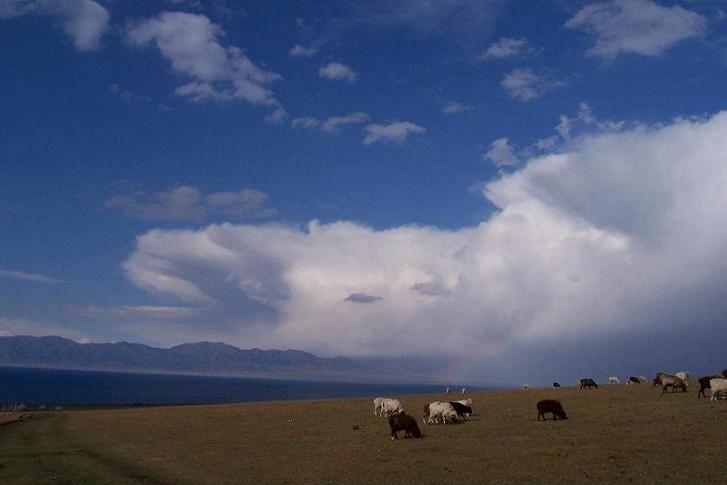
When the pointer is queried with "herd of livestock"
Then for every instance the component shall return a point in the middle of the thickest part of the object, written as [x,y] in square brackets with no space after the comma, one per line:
[438,412]
[716,384]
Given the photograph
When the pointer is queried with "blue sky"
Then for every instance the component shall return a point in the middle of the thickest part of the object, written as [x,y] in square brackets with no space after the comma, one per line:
[162,163]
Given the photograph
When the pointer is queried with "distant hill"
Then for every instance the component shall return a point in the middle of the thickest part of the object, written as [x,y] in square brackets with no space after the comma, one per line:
[196,358]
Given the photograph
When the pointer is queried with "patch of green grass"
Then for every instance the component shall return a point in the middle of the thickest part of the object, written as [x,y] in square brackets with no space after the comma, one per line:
[36,451]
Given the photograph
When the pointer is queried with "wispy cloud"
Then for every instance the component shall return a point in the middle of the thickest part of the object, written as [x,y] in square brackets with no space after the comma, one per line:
[636,26]
[396,132]
[336,71]
[188,203]
[525,84]
[124,94]
[570,127]
[84,21]
[501,153]
[300,51]
[32,277]
[192,43]
[332,124]
[504,48]
[305,122]
[148,312]
[454,107]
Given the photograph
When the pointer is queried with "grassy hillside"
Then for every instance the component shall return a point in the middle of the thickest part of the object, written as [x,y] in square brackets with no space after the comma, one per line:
[615,434]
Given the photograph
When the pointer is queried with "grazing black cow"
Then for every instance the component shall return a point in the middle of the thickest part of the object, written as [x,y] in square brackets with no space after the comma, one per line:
[704,385]
[550,406]
[556,385]
[588,383]
[634,380]
[461,409]
[403,422]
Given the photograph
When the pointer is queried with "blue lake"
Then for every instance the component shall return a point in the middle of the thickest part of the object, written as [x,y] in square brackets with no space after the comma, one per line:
[54,387]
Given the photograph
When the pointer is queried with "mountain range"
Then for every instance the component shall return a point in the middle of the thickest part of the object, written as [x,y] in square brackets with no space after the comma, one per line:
[194,358]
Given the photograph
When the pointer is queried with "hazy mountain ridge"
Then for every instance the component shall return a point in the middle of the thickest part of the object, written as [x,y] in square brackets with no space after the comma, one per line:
[200,357]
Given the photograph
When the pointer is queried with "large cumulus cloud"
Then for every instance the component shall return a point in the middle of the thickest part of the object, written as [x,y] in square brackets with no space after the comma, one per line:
[621,233]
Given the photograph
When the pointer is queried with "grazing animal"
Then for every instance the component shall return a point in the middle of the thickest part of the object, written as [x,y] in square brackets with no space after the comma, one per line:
[377,405]
[468,403]
[404,422]
[550,406]
[556,385]
[719,387]
[461,409]
[613,380]
[446,391]
[526,387]
[587,383]
[464,389]
[669,380]
[384,407]
[439,411]
[704,385]
[643,379]
[633,380]
[683,375]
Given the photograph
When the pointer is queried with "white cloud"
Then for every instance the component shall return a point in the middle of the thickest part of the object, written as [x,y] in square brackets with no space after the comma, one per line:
[84,21]
[244,203]
[546,144]
[621,234]
[503,48]
[454,107]
[306,122]
[277,116]
[524,84]
[636,26]
[191,42]
[187,203]
[32,277]
[132,313]
[333,124]
[501,153]
[396,132]
[569,126]
[336,71]
[301,51]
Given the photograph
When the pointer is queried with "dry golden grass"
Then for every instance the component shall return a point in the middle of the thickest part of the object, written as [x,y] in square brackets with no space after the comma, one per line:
[614,434]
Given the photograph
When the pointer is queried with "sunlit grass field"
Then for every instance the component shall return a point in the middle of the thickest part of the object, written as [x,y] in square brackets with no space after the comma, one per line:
[614,434]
